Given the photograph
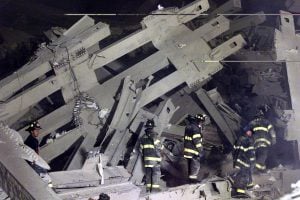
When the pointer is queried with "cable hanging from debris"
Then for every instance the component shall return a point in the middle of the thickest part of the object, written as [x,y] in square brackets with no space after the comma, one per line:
[83,101]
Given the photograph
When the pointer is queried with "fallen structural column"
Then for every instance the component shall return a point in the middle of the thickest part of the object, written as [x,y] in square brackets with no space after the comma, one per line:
[25,75]
[121,120]
[20,182]
[287,45]
[118,191]
[152,23]
[33,96]
[216,115]
[59,145]
[90,133]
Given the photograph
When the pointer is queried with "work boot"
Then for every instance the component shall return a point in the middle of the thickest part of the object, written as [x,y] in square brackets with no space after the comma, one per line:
[193,181]
[148,189]
[155,190]
[256,171]
[238,195]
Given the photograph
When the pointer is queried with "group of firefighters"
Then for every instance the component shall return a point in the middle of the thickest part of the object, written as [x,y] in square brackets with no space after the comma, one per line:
[249,153]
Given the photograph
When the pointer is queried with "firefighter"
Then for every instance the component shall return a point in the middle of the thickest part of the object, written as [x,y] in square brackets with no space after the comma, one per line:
[264,136]
[193,144]
[150,147]
[32,141]
[243,161]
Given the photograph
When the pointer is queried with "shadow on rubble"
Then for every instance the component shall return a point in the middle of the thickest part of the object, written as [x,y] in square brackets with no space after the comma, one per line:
[213,163]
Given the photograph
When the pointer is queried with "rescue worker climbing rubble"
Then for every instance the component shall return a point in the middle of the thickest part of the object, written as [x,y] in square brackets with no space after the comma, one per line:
[150,147]
[243,161]
[32,141]
[264,136]
[193,144]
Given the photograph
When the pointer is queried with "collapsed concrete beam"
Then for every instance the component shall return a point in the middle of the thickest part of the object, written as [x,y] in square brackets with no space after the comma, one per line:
[88,35]
[174,131]
[88,178]
[287,45]
[164,116]
[30,97]
[75,179]
[227,48]
[187,72]
[90,133]
[118,191]
[123,47]
[161,87]
[84,23]
[22,77]
[244,22]
[213,28]
[59,145]
[58,118]
[63,115]
[139,71]
[64,79]
[121,119]
[216,115]
[19,180]
[286,40]
[144,36]
[73,51]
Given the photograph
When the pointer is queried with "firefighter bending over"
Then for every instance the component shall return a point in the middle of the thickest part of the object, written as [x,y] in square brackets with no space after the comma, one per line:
[243,160]
[264,136]
[193,144]
[150,147]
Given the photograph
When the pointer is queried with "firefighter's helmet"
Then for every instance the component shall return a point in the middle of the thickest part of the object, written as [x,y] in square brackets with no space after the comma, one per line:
[150,123]
[34,126]
[197,118]
[262,110]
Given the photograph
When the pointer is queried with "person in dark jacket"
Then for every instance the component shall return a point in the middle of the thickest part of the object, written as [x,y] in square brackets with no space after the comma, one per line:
[150,147]
[264,136]
[243,160]
[32,141]
[193,144]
